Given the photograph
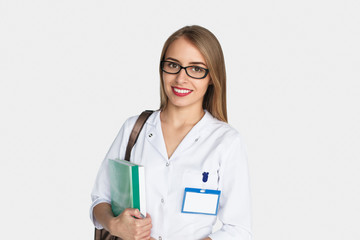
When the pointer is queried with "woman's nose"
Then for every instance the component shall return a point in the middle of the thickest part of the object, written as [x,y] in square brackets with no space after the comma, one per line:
[181,76]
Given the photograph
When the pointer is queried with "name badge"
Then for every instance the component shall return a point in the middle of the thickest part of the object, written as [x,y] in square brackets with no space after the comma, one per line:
[201,201]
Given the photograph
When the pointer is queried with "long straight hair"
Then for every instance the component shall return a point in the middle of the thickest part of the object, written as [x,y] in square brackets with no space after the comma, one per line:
[215,96]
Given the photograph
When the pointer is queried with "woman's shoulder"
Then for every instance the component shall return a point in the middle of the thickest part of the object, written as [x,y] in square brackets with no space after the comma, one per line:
[222,129]
[224,126]
[130,121]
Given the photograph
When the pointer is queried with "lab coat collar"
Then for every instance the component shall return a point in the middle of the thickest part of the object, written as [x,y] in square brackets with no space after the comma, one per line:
[155,137]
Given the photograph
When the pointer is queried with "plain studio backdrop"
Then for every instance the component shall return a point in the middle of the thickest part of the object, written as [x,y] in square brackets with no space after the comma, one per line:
[71,72]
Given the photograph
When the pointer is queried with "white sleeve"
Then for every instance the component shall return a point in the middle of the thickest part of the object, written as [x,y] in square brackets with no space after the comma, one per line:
[101,190]
[234,206]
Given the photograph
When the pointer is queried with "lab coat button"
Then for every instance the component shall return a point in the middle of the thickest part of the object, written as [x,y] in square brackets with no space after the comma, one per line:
[196,139]
[160,238]
[167,164]
[150,135]
[162,200]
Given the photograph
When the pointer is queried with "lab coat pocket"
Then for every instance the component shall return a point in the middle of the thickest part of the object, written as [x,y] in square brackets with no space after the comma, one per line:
[205,179]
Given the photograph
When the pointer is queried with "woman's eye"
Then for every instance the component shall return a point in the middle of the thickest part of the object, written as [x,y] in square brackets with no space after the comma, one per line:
[173,65]
[197,69]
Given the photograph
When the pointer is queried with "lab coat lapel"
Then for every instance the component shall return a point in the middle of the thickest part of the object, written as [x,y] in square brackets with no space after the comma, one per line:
[189,140]
[155,137]
[192,137]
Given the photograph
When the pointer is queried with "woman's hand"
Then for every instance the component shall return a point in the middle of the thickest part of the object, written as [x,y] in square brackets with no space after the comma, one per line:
[130,226]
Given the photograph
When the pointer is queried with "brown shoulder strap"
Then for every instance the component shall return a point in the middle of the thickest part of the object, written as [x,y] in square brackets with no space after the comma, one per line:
[140,122]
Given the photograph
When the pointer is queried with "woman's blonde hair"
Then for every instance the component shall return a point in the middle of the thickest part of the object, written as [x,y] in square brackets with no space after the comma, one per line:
[209,46]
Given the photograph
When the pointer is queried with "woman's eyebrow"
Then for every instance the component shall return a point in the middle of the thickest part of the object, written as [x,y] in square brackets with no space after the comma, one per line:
[198,63]
[175,60]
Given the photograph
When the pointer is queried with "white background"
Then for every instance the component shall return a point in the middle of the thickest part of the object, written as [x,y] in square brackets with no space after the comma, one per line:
[72,71]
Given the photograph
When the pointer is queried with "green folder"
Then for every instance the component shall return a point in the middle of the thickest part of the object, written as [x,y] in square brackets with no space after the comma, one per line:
[127,186]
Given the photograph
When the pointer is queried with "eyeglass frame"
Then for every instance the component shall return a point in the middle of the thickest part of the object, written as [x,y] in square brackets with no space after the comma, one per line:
[181,67]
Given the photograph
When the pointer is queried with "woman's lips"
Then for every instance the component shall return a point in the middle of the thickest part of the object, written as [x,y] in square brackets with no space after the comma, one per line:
[181,92]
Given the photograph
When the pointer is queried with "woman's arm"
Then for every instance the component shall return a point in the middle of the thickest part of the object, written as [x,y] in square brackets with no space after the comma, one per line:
[126,224]
[234,206]
[103,214]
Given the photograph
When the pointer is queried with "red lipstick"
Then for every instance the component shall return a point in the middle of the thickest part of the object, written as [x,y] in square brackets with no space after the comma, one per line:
[181,92]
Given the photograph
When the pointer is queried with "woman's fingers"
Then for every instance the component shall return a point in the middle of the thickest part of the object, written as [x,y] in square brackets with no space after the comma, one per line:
[132,212]
[132,225]
[142,222]
[144,235]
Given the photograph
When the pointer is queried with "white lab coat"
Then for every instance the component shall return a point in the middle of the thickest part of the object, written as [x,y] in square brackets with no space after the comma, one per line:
[211,146]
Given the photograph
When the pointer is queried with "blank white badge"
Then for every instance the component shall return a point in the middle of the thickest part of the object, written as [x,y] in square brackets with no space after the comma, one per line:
[201,201]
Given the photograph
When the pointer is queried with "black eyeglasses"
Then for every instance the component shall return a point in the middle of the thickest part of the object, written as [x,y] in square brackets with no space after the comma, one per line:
[192,71]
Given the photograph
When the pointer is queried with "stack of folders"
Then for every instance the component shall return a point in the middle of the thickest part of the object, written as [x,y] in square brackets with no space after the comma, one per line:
[127,186]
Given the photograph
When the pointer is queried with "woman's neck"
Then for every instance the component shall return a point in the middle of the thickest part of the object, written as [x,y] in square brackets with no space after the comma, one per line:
[178,116]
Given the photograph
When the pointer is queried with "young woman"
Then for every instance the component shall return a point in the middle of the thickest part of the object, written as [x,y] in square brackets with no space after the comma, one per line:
[187,143]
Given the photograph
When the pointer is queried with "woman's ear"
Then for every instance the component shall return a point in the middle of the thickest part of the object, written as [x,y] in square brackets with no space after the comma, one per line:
[210,82]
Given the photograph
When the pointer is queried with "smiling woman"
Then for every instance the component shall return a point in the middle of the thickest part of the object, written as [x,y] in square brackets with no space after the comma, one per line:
[181,88]
[205,46]
[195,163]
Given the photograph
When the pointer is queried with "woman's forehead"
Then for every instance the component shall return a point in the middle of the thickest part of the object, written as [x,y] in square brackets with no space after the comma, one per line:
[184,51]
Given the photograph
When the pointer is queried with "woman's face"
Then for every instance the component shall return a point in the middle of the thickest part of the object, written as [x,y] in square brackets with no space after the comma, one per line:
[181,89]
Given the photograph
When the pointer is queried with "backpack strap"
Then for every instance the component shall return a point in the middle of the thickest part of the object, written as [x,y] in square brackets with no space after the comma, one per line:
[140,122]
